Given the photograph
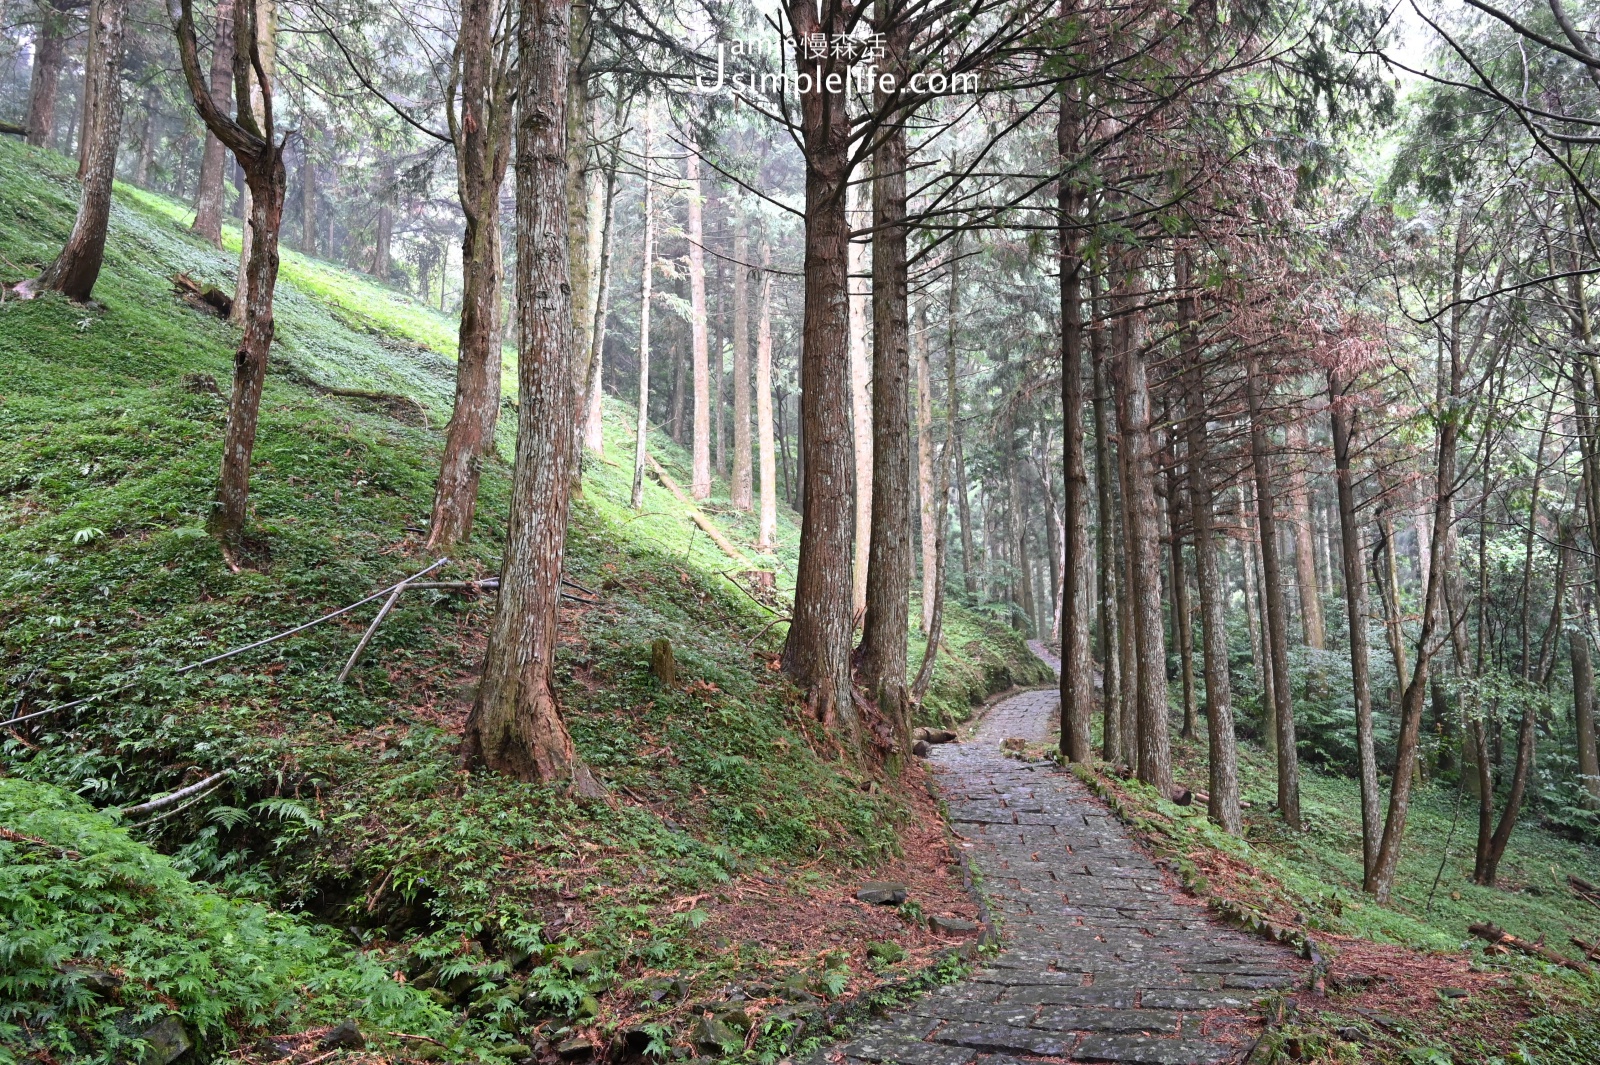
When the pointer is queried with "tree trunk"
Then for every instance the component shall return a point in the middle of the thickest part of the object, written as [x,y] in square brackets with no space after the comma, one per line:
[483,144]
[1277,613]
[1583,712]
[1223,763]
[719,450]
[49,57]
[516,726]
[740,490]
[147,139]
[646,275]
[1182,608]
[927,527]
[262,39]
[1312,625]
[861,398]
[594,389]
[1105,529]
[1077,667]
[308,205]
[382,260]
[680,368]
[76,269]
[700,480]
[817,653]
[888,590]
[1144,561]
[767,466]
[1342,415]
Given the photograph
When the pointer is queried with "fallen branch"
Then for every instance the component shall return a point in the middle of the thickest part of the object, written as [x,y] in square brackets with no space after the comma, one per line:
[1583,889]
[206,295]
[417,1038]
[34,841]
[366,637]
[1590,950]
[697,517]
[177,796]
[13,129]
[1492,933]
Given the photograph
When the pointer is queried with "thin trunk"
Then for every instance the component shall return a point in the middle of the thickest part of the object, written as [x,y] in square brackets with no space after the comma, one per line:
[926,520]
[1342,413]
[1182,608]
[718,420]
[741,488]
[1073,610]
[969,575]
[262,42]
[1312,626]
[308,205]
[646,276]
[817,652]
[1277,612]
[888,589]
[1106,512]
[767,467]
[861,398]
[680,391]
[594,388]
[1223,762]
[382,260]
[1583,712]
[516,725]
[700,449]
[483,146]
[147,139]
[75,270]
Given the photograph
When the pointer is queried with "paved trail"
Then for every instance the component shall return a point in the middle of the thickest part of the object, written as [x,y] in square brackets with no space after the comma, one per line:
[1103,960]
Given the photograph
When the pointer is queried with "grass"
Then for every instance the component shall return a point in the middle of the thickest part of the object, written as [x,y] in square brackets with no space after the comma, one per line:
[524,913]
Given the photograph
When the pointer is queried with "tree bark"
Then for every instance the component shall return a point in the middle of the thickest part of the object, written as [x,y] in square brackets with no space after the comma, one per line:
[926,522]
[1583,712]
[861,398]
[594,389]
[767,527]
[1313,627]
[1277,613]
[482,136]
[1106,514]
[516,726]
[817,653]
[1222,747]
[1077,667]
[262,40]
[75,270]
[646,275]
[1144,562]
[741,488]
[1342,415]
[700,480]
[49,57]
[1182,608]
[308,203]
[888,589]
[147,139]
[382,259]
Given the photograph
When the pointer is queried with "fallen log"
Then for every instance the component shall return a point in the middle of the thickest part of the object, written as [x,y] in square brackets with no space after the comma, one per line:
[13,129]
[699,519]
[1494,934]
[206,295]
[1590,950]
[176,796]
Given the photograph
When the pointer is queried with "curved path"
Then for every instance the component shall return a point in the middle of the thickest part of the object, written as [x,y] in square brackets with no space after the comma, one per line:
[1103,958]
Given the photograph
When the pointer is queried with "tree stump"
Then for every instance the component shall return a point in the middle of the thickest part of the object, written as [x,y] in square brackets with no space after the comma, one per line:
[662,664]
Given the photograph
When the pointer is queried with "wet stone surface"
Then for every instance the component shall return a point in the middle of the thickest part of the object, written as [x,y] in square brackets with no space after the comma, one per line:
[1102,959]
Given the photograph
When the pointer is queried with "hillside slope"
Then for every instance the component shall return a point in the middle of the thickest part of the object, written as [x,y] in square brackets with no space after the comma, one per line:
[544,919]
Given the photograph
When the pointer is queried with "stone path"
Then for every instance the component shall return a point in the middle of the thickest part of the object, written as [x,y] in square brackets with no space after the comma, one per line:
[1103,959]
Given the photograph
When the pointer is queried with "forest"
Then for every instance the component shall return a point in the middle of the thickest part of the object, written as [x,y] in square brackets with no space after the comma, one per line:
[921,532]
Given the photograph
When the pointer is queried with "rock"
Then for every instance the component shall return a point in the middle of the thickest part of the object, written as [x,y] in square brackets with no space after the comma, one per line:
[934,735]
[1013,743]
[168,1039]
[576,1047]
[636,1040]
[1181,796]
[271,1050]
[1454,992]
[513,1050]
[737,1019]
[100,981]
[710,1035]
[200,384]
[921,749]
[954,926]
[344,1034]
[882,893]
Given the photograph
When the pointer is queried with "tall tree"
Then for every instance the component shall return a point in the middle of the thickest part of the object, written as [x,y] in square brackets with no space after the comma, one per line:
[516,725]
[77,267]
[49,59]
[740,489]
[646,274]
[767,527]
[214,156]
[480,130]
[700,483]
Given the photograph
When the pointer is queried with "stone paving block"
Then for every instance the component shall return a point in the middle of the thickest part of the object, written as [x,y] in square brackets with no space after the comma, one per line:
[1005,1039]
[1141,1050]
[1122,998]
[1186,999]
[903,1052]
[1105,1019]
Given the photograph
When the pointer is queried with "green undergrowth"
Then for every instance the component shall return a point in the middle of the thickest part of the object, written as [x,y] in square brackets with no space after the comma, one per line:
[526,913]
